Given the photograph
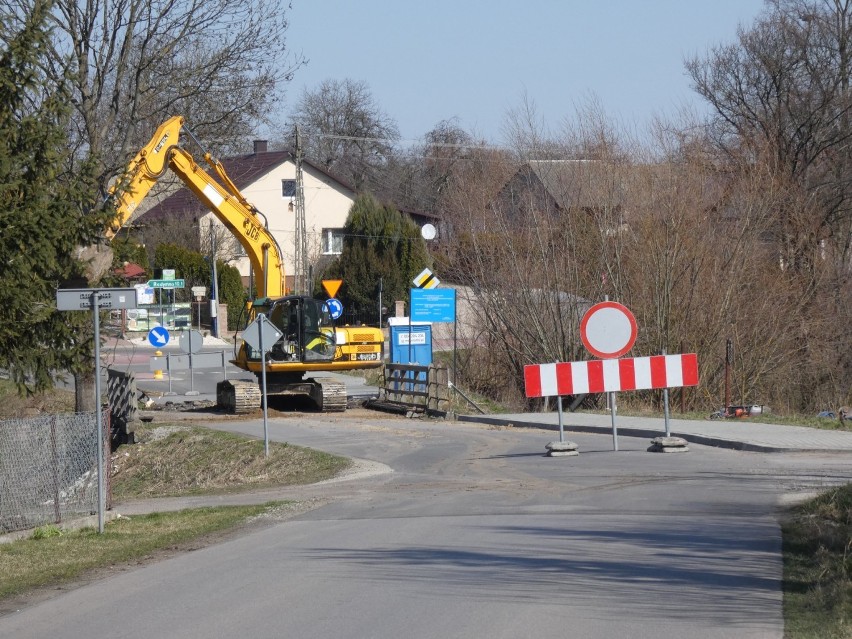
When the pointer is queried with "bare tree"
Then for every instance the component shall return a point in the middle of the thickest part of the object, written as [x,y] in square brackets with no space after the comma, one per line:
[222,64]
[344,130]
[670,227]
[781,96]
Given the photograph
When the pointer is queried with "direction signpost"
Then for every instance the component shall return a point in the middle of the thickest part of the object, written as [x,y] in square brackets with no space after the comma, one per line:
[167,283]
[80,299]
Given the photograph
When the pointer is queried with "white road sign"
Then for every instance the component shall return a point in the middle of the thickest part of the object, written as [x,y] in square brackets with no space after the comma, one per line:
[191,342]
[608,330]
[261,328]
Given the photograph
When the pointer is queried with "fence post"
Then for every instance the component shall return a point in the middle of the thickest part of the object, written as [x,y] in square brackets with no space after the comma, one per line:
[57,516]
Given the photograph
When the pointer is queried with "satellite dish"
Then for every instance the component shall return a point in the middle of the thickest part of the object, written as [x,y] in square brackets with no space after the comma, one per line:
[428,232]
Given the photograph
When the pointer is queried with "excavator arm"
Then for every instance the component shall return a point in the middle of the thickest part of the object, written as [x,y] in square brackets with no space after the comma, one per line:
[223,199]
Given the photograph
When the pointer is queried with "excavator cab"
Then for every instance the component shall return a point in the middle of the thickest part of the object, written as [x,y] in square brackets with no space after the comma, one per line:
[307,328]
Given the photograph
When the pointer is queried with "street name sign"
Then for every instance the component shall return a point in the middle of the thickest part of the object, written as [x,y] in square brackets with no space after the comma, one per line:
[80,299]
[167,283]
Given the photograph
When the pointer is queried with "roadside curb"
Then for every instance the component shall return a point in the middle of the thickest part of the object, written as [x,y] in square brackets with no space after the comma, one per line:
[645,433]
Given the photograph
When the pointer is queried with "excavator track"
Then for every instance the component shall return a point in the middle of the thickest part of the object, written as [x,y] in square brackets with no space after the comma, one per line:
[237,396]
[329,394]
[243,397]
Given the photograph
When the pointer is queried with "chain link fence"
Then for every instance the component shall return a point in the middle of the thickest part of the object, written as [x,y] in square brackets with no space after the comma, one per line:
[49,469]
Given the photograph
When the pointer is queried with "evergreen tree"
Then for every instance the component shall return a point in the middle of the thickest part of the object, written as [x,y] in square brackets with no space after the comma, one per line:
[193,267]
[45,213]
[379,242]
[232,292]
[188,265]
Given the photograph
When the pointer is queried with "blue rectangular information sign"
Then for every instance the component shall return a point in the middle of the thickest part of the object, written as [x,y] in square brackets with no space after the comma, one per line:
[433,305]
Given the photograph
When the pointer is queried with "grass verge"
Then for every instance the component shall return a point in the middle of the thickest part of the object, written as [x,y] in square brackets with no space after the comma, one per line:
[52,556]
[169,460]
[818,567]
[177,459]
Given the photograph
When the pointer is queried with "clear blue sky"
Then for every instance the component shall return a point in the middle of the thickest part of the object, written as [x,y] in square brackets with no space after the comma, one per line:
[477,59]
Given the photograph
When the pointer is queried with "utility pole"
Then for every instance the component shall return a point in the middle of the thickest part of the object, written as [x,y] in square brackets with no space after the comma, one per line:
[214,304]
[300,256]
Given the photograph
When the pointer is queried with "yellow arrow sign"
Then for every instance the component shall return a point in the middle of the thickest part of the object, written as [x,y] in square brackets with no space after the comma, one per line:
[331,287]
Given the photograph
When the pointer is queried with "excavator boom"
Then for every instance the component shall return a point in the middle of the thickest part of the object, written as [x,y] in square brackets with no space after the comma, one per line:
[226,202]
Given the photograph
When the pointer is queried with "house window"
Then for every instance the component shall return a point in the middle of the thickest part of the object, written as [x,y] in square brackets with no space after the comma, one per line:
[288,188]
[332,241]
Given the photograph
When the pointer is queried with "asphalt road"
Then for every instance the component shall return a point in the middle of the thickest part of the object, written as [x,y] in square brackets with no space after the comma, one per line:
[468,532]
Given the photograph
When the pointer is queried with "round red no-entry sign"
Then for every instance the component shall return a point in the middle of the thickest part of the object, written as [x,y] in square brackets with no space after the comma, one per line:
[608,330]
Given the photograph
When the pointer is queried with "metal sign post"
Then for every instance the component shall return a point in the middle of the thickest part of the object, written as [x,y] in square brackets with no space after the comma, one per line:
[191,343]
[99,416]
[608,330]
[261,318]
[425,280]
[79,299]
[261,335]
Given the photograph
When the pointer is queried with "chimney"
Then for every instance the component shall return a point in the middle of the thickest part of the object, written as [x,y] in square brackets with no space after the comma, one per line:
[259,146]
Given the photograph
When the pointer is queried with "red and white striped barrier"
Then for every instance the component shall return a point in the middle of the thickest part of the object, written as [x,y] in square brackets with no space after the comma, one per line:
[611,375]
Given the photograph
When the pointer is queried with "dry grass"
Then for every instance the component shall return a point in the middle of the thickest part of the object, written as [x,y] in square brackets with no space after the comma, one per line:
[171,460]
[14,406]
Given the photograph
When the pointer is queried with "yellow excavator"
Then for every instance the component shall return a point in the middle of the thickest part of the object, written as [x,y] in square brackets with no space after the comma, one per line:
[310,341]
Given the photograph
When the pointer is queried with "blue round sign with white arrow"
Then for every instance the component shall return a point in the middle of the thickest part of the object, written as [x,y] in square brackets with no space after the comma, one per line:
[335,308]
[158,336]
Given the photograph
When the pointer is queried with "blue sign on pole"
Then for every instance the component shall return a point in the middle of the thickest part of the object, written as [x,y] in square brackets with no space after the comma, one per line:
[433,305]
[335,307]
[158,336]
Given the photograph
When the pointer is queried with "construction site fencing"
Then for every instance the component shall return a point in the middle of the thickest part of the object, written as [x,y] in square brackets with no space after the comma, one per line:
[419,388]
[49,469]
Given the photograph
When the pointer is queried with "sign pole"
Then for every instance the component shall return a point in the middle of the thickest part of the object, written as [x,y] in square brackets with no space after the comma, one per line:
[666,408]
[561,421]
[455,340]
[261,318]
[410,318]
[614,427]
[99,416]
[80,299]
